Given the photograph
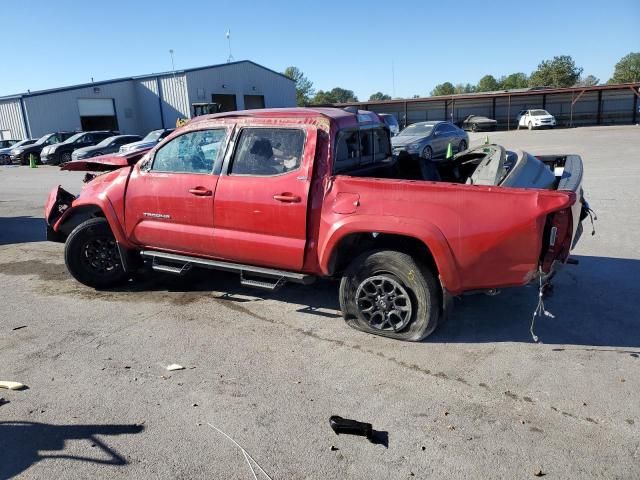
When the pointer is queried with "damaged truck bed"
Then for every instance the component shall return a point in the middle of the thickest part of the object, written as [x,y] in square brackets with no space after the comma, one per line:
[288,195]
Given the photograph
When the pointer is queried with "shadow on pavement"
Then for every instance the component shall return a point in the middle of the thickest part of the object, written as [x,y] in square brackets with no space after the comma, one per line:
[594,303]
[21,444]
[21,230]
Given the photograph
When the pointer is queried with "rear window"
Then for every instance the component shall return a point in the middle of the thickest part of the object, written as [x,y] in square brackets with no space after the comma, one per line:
[355,148]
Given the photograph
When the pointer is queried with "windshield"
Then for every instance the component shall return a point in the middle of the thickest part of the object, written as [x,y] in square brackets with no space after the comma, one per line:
[42,140]
[73,138]
[106,142]
[539,113]
[153,136]
[22,143]
[421,129]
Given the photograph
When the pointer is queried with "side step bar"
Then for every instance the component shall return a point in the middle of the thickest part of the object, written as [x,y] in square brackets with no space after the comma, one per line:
[180,263]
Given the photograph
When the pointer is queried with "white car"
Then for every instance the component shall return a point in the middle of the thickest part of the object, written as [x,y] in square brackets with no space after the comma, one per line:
[535,118]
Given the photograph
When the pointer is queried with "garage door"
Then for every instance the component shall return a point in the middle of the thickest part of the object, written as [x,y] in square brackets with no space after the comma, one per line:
[97,114]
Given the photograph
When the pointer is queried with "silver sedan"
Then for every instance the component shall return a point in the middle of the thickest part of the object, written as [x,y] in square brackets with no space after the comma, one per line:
[430,140]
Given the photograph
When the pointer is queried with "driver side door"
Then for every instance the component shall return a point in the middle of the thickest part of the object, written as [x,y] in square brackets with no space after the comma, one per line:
[169,200]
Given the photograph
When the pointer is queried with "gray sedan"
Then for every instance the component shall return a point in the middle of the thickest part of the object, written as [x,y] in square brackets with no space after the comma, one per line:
[108,145]
[429,140]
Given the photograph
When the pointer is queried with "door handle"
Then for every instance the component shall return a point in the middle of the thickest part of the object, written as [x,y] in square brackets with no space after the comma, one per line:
[287,198]
[200,192]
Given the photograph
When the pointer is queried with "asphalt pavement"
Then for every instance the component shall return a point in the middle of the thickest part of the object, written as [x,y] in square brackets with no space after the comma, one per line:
[477,399]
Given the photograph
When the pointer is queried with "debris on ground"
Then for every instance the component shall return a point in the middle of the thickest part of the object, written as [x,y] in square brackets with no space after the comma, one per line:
[11,385]
[539,473]
[334,448]
[18,328]
[174,366]
[3,401]
[247,457]
[350,427]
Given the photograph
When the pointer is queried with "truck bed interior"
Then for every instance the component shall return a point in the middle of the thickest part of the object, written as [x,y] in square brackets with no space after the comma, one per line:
[485,165]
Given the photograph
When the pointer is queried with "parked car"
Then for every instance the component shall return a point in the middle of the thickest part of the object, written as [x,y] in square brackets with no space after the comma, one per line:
[5,153]
[285,195]
[535,118]
[21,154]
[61,152]
[478,123]
[150,140]
[7,143]
[108,145]
[391,122]
[105,163]
[430,140]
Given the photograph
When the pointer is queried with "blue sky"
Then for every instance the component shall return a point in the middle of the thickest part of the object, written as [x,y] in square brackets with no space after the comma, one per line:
[351,44]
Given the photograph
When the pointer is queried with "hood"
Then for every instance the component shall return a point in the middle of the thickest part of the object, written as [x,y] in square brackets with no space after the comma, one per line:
[104,163]
[6,150]
[83,151]
[543,117]
[402,140]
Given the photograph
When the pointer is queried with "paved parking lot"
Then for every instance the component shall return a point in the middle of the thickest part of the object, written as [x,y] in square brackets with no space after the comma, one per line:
[478,399]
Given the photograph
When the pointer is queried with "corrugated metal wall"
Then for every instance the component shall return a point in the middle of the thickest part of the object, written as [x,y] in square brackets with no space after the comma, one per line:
[148,104]
[59,110]
[11,119]
[241,79]
[175,103]
[616,108]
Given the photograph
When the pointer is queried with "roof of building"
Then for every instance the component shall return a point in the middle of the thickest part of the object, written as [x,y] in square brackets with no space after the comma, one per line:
[138,77]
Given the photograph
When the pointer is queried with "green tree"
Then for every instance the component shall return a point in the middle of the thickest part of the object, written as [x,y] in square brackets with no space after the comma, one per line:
[488,83]
[627,70]
[335,95]
[445,88]
[559,72]
[461,88]
[304,86]
[515,80]
[379,96]
[588,81]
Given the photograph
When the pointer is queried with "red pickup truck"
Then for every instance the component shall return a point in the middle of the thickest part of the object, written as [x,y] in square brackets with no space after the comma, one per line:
[289,195]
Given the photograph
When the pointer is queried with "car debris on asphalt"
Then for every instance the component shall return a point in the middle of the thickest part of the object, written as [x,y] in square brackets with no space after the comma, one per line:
[12,385]
[174,366]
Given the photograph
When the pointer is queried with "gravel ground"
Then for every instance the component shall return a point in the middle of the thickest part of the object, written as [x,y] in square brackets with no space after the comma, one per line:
[477,399]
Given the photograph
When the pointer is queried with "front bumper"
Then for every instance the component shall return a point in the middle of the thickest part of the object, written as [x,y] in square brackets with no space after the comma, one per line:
[58,202]
[49,159]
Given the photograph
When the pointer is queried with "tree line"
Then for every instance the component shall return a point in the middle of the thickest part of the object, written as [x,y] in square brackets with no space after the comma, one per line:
[560,71]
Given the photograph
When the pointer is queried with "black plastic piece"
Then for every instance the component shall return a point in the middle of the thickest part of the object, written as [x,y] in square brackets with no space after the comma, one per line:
[351,427]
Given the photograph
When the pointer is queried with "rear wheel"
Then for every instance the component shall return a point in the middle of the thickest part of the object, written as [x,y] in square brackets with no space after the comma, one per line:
[427,153]
[91,255]
[388,293]
[65,157]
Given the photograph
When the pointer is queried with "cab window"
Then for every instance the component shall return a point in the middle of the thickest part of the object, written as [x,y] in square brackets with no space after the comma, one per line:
[355,148]
[193,152]
[268,151]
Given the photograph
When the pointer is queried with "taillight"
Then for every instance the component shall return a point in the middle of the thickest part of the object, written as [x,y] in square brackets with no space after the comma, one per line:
[557,238]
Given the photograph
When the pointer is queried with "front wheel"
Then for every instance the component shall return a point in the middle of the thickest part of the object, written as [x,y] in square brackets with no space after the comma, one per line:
[530,126]
[91,255]
[65,157]
[427,153]
[463,146]
[388,293]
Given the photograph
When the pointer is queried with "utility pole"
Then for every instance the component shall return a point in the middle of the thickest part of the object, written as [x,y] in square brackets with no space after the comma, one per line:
[173,67]
[228,35]
[393,80]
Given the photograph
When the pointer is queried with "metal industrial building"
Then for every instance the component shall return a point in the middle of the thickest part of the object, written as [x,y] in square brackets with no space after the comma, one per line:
[576,106]
[136,105]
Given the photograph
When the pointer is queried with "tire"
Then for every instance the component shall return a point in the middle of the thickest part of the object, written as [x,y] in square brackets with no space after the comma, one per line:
[24,160]
[65,157]
[530,125]
[91,255]
[380,271]
[427,153]
[462,147]
[474,127]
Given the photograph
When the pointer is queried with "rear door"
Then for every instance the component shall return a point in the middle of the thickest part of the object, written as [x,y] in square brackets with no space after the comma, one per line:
[169,202]
[260,208]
